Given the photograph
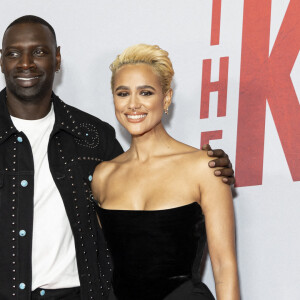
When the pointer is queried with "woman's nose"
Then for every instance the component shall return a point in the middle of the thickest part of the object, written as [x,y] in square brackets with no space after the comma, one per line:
[133,102]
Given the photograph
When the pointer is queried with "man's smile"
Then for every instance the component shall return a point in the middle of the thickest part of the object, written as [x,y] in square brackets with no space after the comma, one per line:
[27,81]
[27,78]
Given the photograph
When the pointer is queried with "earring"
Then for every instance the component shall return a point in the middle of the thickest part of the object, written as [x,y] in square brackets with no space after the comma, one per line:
[57,71]
[166,110]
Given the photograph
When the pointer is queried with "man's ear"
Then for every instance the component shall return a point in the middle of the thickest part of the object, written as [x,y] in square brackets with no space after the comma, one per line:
[168,99]
[1,60]
[58,58]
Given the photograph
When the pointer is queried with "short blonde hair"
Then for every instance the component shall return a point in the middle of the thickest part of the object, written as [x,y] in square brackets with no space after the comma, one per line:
[147,54]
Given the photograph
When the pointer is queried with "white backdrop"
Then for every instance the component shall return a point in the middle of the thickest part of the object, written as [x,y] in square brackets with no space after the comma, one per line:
[92,32]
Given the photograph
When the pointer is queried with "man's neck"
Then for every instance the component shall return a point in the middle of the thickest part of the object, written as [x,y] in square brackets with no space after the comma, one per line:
[31,109]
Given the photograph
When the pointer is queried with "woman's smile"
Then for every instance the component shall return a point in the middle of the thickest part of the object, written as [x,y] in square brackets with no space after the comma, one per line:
[136,118]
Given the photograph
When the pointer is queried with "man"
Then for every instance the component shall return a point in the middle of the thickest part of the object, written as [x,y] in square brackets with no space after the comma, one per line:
[51,244]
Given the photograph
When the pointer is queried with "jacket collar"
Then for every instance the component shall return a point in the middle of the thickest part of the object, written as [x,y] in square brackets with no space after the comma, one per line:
[64,120]
[7,127]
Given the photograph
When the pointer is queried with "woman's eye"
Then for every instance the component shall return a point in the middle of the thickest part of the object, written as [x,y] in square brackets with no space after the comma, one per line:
[146,93]
[122,94]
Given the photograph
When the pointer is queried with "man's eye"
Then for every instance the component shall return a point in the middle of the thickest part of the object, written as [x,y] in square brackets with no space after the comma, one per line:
[12,54]
[122,94]
[146,93]
[39,52]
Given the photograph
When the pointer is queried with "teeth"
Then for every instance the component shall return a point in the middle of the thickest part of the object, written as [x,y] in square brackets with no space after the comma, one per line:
[136,117]
[26,79]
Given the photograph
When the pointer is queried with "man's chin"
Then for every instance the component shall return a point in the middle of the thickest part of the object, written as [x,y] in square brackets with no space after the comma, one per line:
[28,94]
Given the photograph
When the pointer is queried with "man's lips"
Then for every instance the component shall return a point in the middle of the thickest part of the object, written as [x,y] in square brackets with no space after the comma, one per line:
[27,78]
[27,81]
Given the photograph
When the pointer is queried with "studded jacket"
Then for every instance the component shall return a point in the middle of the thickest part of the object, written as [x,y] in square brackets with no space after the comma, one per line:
[77,144]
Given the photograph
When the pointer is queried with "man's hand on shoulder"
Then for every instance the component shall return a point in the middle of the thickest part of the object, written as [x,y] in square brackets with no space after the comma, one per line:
[221,161]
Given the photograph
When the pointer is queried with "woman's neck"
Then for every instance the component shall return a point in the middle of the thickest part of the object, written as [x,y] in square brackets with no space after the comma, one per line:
[155,142]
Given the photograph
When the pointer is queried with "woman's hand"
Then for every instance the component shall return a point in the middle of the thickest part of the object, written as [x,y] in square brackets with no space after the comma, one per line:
[222,161]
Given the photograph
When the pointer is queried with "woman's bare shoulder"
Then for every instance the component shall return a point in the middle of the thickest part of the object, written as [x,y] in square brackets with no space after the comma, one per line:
[195,162]
[201,159]
[101,174]
[197,156]
[103,168]
[106,168]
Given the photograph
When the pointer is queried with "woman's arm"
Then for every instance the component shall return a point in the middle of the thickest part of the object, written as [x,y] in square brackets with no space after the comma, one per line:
[217,206]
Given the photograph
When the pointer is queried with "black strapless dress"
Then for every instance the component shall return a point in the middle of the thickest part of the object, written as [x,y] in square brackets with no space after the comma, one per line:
[156,254]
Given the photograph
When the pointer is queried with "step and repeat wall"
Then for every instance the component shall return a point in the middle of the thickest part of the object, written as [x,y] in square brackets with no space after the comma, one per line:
[236,86]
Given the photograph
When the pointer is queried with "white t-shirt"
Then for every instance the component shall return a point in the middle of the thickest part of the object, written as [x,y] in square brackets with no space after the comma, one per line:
[53,250]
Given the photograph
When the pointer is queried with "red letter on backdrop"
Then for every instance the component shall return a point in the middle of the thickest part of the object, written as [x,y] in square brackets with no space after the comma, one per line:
[208,87]
[215,22]
[265,77]
[207,136]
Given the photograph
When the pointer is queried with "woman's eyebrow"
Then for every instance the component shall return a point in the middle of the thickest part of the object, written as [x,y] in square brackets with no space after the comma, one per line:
[146,87]
[122,87]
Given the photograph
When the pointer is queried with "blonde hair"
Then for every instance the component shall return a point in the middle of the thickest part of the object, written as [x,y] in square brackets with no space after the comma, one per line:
[152,55]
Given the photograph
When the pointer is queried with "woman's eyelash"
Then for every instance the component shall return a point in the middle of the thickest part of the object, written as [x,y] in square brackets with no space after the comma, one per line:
[143,93]
[122,94]
[146,93]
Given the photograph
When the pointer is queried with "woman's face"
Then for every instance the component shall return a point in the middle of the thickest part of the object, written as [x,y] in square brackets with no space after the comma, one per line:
[138,98]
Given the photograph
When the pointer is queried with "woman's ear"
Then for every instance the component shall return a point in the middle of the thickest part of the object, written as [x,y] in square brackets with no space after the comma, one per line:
[168,99]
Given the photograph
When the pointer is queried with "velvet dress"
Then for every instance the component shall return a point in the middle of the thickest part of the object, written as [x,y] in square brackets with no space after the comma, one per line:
[156,254]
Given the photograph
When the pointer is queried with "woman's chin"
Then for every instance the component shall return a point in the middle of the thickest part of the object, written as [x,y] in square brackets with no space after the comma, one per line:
[136,132]
[133,129]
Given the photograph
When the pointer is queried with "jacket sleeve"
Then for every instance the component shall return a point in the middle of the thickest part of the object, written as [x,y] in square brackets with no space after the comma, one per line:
[112,147]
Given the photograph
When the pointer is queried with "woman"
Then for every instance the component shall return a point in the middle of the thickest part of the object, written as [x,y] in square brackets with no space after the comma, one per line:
[154,197]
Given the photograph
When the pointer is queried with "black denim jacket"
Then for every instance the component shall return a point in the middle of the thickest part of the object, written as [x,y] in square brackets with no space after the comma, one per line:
[77,144]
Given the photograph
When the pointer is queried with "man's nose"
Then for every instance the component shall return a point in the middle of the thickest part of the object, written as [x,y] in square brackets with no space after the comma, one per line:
[26,61]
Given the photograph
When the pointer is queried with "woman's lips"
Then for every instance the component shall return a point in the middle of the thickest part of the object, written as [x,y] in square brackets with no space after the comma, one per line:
[135,118]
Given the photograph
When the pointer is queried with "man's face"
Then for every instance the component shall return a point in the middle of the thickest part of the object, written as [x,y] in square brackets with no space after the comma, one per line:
[29,59]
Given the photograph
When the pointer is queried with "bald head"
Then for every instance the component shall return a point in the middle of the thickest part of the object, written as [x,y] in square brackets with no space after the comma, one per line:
[30,19]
